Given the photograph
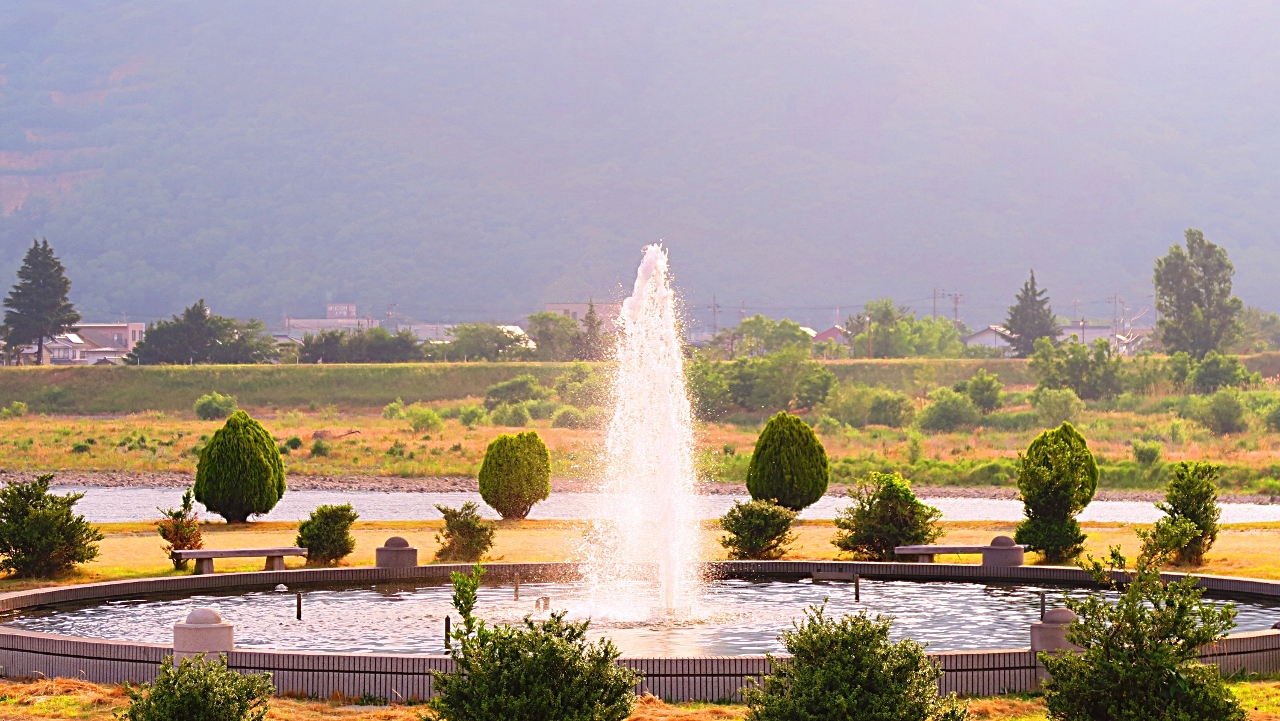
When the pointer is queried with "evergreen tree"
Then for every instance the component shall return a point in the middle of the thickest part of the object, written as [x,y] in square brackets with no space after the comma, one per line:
[1198,313]
[1031,318]
[592,339]
[37,307]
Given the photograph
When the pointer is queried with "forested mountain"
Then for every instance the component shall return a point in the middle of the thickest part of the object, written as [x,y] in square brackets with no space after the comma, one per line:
[473,160]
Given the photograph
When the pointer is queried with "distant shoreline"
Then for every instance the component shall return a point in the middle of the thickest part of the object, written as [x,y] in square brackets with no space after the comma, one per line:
[461,484]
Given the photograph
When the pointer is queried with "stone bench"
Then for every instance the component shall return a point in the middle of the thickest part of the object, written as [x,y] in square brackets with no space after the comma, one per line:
[204,557]
[1002,552]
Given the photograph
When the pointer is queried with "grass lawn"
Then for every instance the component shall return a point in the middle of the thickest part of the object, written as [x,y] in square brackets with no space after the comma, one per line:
[72,699]
[133,550]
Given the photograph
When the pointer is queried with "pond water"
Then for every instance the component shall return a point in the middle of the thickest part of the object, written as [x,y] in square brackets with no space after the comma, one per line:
[123,504]
[730,617]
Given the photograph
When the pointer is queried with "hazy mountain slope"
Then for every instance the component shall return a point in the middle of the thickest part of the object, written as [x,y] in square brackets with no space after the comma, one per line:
[472,161]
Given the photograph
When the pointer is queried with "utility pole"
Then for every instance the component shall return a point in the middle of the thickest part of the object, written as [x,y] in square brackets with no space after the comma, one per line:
[742,314]
[715,311]
[1116,301]
[956,300]
[870,354]
[1075,310]
[936,291]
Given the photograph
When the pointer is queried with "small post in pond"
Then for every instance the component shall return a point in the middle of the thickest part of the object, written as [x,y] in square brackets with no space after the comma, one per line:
[517,587]
[299,606]
[447,632]
[857,588]
[1042,592]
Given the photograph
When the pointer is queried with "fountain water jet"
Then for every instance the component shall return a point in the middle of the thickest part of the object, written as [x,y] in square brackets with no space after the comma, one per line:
[648,484]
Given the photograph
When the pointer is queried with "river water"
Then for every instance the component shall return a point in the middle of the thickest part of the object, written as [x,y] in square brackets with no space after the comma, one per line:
[123,504]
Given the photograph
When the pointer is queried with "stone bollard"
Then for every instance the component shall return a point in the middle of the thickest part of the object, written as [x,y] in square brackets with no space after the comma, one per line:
[396,553]
[1051,633]
[205,632]
[1003,552]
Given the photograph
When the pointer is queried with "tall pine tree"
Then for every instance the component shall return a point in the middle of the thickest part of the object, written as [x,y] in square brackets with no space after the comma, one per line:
[37,308]
[1031,318]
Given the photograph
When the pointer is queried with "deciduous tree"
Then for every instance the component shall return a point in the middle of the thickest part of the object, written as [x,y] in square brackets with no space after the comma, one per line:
[199,336]
[1198,313]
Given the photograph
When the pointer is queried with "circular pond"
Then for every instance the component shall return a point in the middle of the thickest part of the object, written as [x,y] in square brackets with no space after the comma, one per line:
[729,617]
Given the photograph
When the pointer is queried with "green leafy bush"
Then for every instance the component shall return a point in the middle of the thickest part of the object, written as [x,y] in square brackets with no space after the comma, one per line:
[708,388]
[320,447]
[568,417]
[1220,371]
[516,474]
[849,669]
[1223,412]
[1055,407]
[827,426]
[948,411]
[1057,480]
[394,410]
[596,417]
[858,406]
[544,670]
[326,534]
[40,535]
[466,536]
[1092,371]
[16,409]
[813,385]
[1192,495]
[1147,452]
[581,386]
[472,415]
[200,690]
[422,418]
[180,528]
[885,513]
[757,531]
[1140,653]
[789,465]
[1273,418]
[983,389]
[511,416]
[542,410]
[240,472]
[517,390]
[294,443]
[214,406]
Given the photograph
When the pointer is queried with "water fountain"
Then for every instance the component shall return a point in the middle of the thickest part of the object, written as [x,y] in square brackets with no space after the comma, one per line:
[647,491]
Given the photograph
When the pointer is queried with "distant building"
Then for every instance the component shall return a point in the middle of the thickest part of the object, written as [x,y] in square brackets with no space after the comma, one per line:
[993,336]
[835,333]
[89,344]
[608,312]
[337,316]
[431,332]
[343,311]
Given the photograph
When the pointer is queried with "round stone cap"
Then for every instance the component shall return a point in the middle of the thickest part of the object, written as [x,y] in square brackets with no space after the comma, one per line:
[203,617]
[1059,615]
[281,588]
[396,542]
[1002,542]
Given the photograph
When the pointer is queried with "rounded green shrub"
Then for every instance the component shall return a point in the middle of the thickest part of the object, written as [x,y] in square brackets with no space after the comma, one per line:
[847,668]
[320,447]
[885,514]
[1147,453]
[757,531]
[215,406]
[568,417]
[789,465]
[1224,412]
[1055,407]
[240,472]
[200,690]
[1057,480]
[511,416]
[516,474]
[472,415]
[40,533]
[421,418]
[947,411]
[326,534]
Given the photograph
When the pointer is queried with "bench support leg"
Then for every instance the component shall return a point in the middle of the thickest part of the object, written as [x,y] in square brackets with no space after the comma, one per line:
[204,565]
[275,563]
[924,558]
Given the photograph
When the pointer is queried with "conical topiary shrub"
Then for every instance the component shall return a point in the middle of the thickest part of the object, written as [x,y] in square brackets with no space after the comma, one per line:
[789,466]
[516,474]
[1057,480]
[240,471]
